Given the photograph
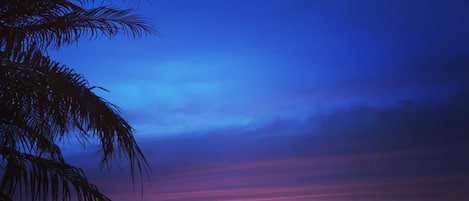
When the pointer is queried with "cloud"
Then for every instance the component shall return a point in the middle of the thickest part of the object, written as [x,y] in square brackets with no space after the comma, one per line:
[413,151]
[238,62]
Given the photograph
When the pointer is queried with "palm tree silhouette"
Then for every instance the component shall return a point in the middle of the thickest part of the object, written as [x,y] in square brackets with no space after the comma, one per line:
[43,102]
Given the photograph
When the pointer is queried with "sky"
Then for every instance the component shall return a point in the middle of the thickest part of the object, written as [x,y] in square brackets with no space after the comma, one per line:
[321,100]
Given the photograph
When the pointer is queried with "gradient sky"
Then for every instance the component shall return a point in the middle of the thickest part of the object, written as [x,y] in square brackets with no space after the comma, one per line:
[289,100]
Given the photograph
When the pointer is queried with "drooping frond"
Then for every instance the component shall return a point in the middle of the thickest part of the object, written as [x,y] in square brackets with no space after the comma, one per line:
[28,137]
[45,179]
[59,22]
[63,101]
[43,101]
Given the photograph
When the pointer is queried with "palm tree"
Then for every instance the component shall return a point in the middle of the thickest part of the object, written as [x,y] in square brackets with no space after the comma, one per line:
[43,102]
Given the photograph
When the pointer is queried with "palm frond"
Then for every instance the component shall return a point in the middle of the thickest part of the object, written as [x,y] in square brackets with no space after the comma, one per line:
[42,178]
[61,23]
[60,100]
[42,102]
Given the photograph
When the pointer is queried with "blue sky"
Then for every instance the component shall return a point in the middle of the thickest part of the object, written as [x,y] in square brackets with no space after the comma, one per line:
[287,70]
[231,63]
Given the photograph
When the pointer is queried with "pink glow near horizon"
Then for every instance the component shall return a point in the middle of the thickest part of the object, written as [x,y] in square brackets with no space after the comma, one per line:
[318,179]
[423,187]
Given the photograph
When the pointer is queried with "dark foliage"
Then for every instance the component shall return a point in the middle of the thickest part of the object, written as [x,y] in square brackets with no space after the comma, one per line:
[43,102]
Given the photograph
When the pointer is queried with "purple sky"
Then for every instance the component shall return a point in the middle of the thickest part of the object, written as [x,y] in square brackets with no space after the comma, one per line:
[290,100]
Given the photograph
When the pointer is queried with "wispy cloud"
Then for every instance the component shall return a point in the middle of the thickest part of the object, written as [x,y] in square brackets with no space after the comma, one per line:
[410,152]
[376,176]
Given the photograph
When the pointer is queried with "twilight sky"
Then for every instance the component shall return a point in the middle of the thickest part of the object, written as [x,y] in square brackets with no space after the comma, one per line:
[289,100]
